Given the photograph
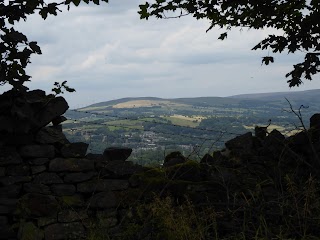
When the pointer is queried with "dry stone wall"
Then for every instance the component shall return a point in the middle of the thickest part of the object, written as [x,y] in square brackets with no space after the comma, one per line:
[50,196]
[49,188]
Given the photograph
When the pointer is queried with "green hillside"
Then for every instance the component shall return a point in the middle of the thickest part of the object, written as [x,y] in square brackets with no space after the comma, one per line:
[153,125]
[308,98]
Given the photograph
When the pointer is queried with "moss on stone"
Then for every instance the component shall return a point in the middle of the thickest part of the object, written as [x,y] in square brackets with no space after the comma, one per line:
[153,172]
[172,180]
[189,171]
[28,231]
[129,196]
[74,201]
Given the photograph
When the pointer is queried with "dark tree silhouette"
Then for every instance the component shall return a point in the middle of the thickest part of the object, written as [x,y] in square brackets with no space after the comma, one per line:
[299,21]
[15,48]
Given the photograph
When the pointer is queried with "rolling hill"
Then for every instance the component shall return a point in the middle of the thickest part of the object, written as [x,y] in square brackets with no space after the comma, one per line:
[310,98]
[152,125]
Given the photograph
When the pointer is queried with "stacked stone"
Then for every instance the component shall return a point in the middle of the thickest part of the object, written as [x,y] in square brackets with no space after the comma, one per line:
[54,197]
[26,147]
[49,188]
[24,114]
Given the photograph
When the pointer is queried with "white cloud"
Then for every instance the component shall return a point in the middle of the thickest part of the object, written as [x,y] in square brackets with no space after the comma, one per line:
[107,52]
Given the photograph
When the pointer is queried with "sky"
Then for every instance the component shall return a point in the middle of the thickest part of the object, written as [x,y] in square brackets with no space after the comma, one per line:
[107,52]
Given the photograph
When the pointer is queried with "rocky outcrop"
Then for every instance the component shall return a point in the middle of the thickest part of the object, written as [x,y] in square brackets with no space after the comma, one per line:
[34,109]
[173,158]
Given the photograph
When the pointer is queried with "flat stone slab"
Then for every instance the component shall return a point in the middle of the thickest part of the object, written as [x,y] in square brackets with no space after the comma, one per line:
[7,206]
[116,153]
[38,205]
[50,135]
[38,161]
[10,180]
[74,150]
[10,191]
[2,171]
[68,215]
[121,169]
[38,169]
[104,200]
[18,170]
[101,185]
[37,151]
[79,177]
[47,178]
[62,231]
[36,188]
[9,157]
[76,200]
[71,165]
[63,189]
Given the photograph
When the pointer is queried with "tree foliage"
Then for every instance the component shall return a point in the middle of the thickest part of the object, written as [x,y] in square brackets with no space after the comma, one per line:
[298,20]
[15,48]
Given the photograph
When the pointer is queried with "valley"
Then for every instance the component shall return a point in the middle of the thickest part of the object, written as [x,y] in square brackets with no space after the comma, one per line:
[153,127]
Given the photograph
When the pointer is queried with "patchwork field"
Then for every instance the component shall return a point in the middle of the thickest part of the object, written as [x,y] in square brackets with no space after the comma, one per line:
[188,121]
[146,103]
[288,131]
[150,124]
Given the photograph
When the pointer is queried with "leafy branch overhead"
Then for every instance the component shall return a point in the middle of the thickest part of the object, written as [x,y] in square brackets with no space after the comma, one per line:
[297,20]
[60,87]
[15,48]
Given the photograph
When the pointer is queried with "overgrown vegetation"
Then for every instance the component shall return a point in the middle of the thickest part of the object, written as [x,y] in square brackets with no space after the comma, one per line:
[253,212]
[243,196]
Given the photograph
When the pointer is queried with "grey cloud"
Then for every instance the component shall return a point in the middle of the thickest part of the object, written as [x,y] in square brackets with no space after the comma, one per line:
[106,52]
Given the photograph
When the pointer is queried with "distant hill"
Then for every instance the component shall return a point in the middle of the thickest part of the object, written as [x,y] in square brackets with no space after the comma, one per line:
[122,100]
[210,101]
[126,121]
[308,94]
[308,98]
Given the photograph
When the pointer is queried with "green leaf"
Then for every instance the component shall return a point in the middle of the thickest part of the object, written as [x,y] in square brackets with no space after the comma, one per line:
[256,46]
[69,89]
[52,8]
[267,60]
[18,36]
[44,13]
[56,90]
[223,36]
[35,48]
[76,2]
[144,11]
